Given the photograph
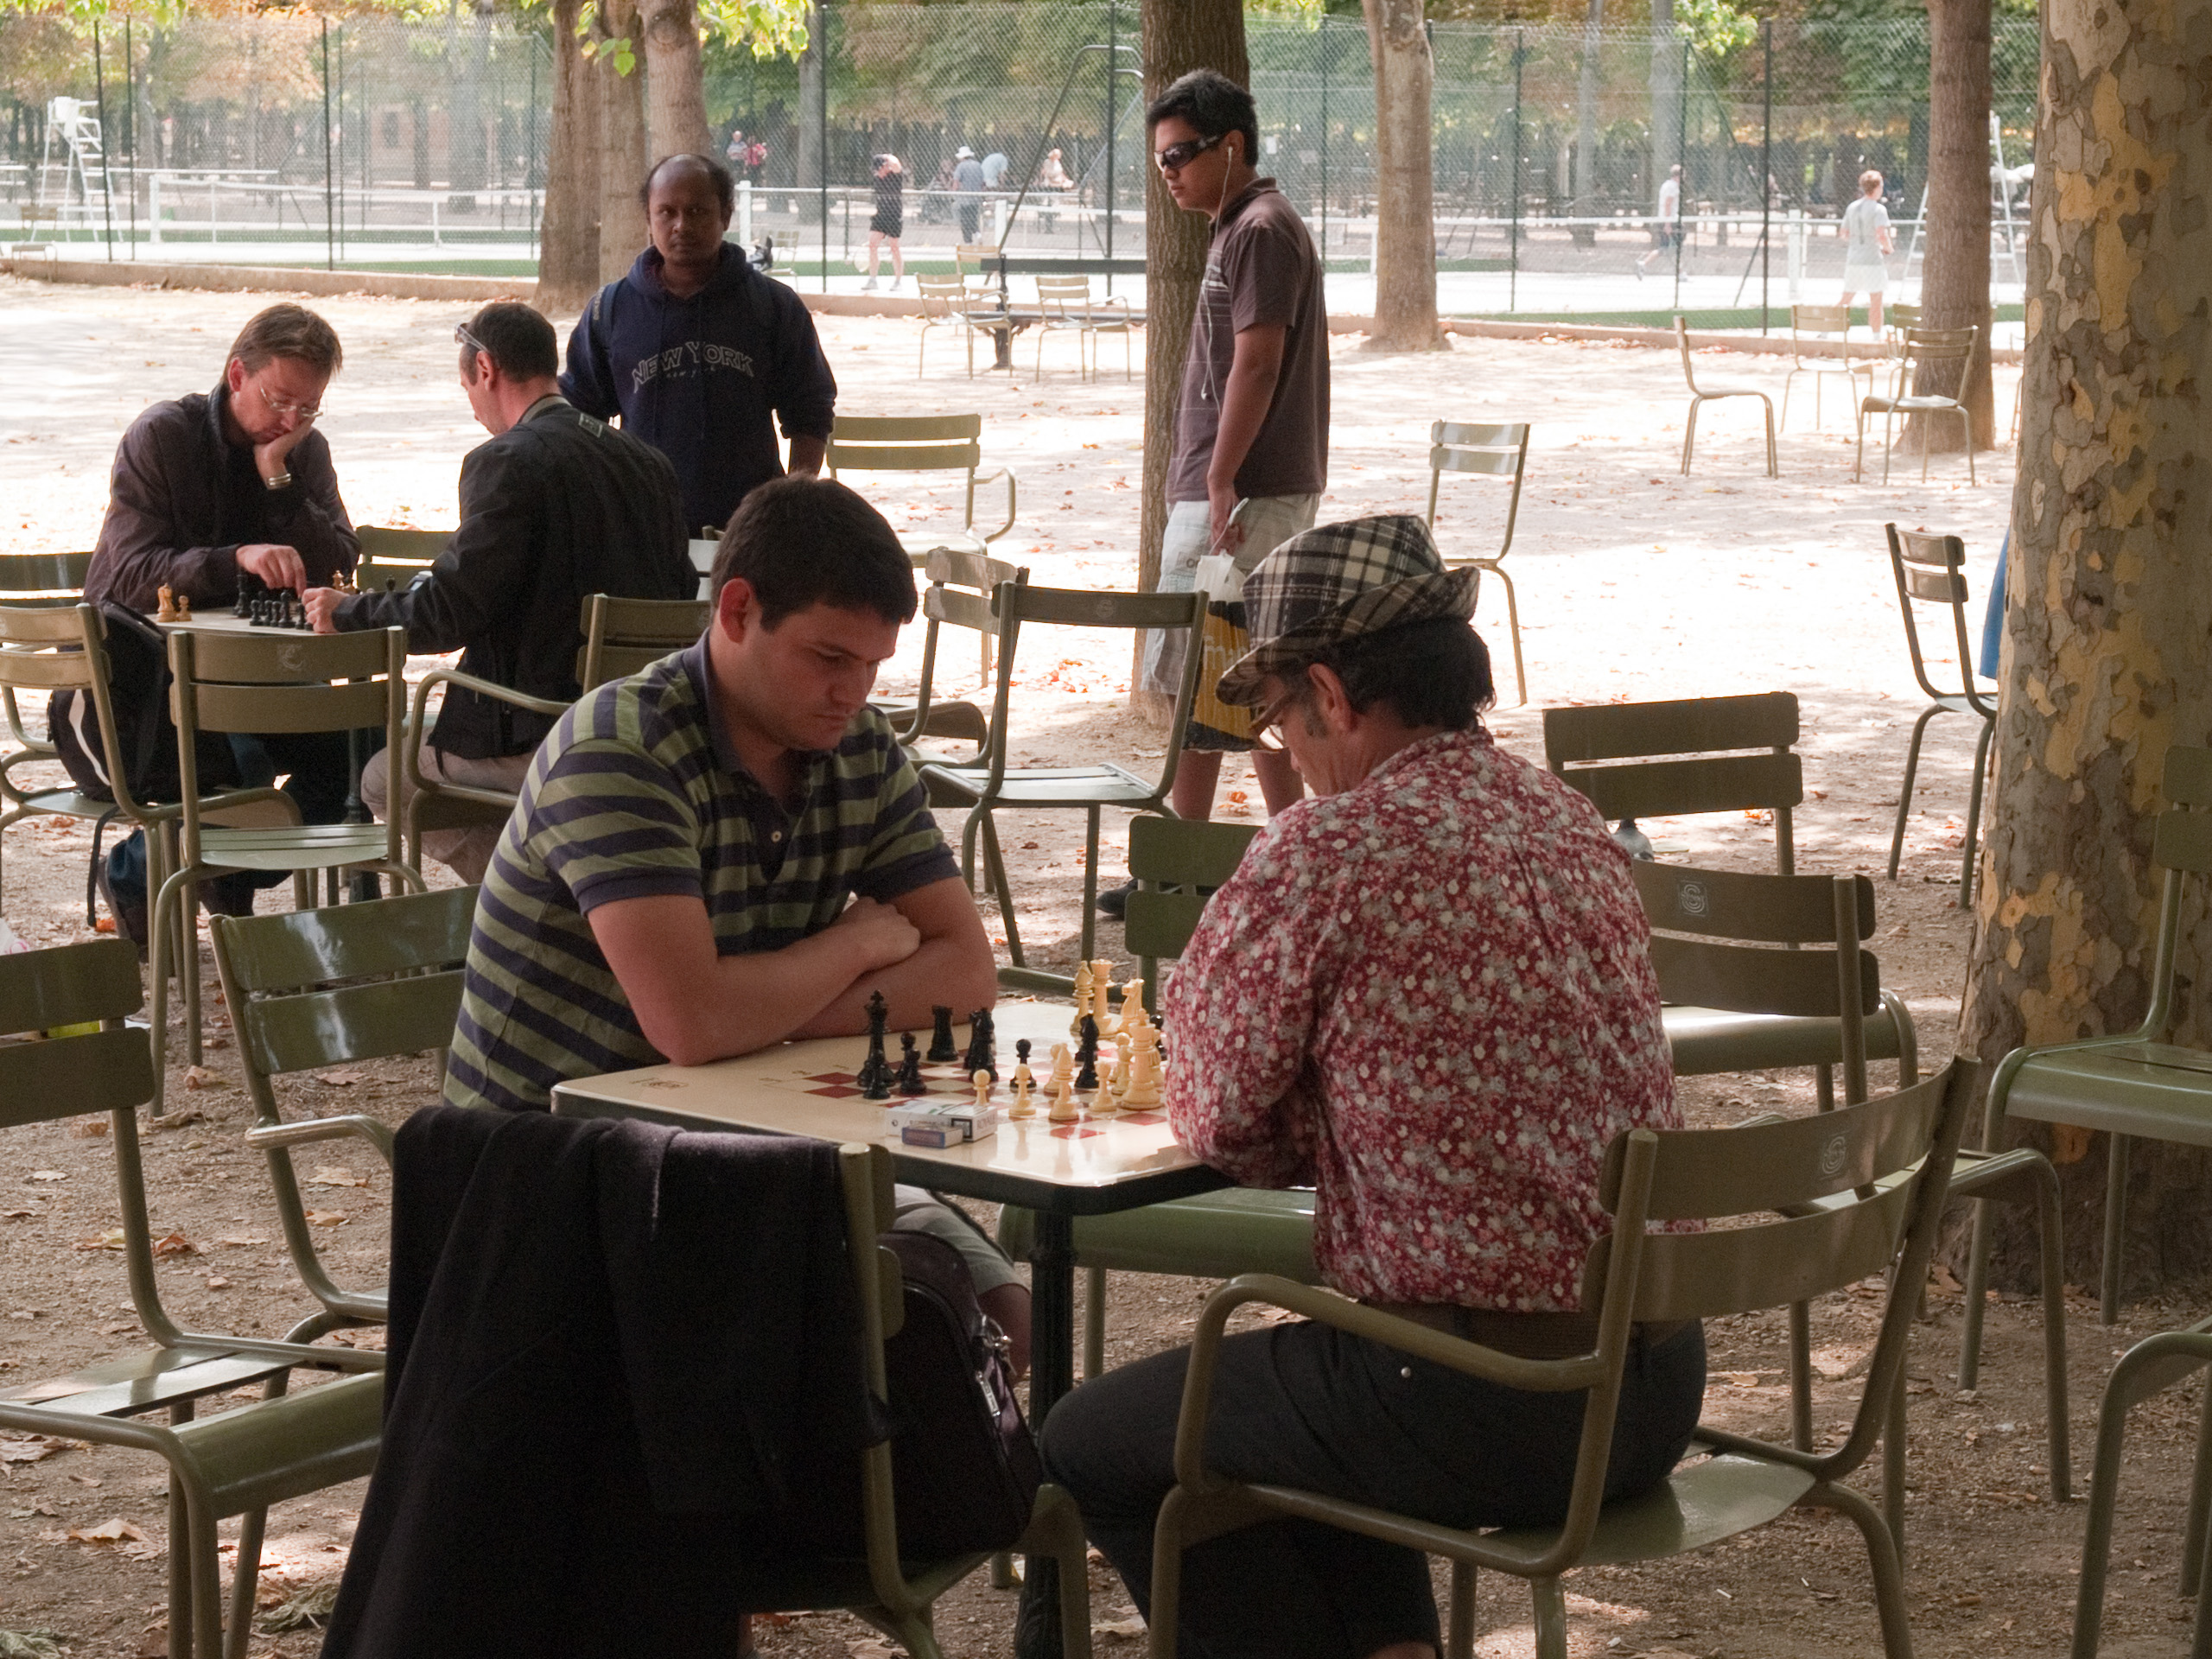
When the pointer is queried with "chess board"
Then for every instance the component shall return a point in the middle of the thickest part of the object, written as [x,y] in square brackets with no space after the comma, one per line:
[948,1081]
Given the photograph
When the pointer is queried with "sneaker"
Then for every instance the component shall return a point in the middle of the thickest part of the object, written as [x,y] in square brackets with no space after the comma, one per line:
[1114,902]
[129,919]
[868,287]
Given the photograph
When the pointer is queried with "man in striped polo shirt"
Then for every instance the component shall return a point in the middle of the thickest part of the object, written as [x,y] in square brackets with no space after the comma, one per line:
[731,849]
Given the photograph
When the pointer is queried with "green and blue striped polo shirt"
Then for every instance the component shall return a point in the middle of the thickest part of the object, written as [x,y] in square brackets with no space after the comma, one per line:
[636,791]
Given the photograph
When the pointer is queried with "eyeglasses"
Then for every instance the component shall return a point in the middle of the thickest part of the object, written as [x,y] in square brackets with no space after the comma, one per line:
[287,411]
[462,337]
[1176,157]
[1267,724]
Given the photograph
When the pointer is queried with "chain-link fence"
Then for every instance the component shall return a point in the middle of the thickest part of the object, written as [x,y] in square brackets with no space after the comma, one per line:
[423,145]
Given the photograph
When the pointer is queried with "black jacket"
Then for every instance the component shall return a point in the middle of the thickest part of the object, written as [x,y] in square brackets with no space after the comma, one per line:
[608,1342]
[700,378]
[557,507]
[182,500]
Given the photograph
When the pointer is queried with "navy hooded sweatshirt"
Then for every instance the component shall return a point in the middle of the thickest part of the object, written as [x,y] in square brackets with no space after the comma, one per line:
[698,378]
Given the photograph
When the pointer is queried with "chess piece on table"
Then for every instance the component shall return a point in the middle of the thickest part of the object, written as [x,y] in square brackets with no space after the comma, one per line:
[910,1066]
[1102,989]
[1022,1106]
[1132,1007]
[1081,998]
[1086,1076]
[167,611]
[875,1075]
[982,1045]
[242,607]
[941,1044]
[1022,1076]
[983,1082]
[1117,1079]
[1144,1079]
[1063,1107]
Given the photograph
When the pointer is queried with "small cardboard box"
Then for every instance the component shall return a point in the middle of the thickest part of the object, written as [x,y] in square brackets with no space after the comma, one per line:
[941,1123]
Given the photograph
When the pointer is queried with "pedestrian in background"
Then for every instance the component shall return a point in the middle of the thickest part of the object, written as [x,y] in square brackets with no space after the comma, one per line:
[890,218]
[1866,248]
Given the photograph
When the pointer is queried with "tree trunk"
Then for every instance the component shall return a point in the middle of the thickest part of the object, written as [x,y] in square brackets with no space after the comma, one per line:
[813,88]
[1954,287]
[466,58]
[1666,95]
[1585,126]
[622,159]
[1405,246]
[2109,600]
[567,239]
[676,87]
[1179,36]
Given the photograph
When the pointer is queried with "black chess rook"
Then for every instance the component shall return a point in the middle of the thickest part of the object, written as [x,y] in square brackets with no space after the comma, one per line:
[942,1046]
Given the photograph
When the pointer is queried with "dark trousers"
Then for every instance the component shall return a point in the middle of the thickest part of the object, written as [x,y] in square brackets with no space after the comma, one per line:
[317,774]
[971,214]
[1306,1405]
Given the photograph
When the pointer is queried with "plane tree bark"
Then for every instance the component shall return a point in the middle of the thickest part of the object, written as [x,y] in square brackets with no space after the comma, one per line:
[1405,246]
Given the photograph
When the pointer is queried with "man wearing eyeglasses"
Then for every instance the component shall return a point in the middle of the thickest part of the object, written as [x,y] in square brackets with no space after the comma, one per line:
[209,488]
[1252,424]
[556,506]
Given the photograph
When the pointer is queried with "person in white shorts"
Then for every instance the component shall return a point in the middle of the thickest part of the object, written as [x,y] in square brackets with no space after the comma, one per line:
[1866,245]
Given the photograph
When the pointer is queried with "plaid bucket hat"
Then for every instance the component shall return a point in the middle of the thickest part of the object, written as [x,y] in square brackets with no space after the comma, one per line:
[1336,583]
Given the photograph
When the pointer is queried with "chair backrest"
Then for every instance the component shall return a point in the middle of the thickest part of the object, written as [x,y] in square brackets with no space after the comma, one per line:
[979,261]
[52,580]
[396,557]
[941,297]
[1921,349]
[1931,570]
[1172,859]
[1901,316]
[1064,296]
[959,594]
[1753,943]
[1820,322]
[624,637]
[1682,340]
[316,988]
[2181,842]
[1016,603]
[46,650]
[90,1062]
[906,443]
[1613,752]
[1501,451]
[236,681]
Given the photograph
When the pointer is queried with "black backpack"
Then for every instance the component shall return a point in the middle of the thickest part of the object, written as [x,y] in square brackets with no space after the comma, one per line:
[138,690]
[964,1469]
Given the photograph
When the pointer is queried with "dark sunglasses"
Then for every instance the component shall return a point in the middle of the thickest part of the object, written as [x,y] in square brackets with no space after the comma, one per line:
[1177,156]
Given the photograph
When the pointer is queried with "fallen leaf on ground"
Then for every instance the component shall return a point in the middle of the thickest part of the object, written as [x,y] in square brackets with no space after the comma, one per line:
[175,1244]
[199,1077]
[1120,1627]
[25,1451]
[326,1218]
[49,1175]
[178,1119]
[106,924]
[34,1644]
[19,1215]
[88,1129]
[114,1530]
[216,1282]
[307,1609]
[336,1175]
[241,1240]
[109,1240]
[340,1079]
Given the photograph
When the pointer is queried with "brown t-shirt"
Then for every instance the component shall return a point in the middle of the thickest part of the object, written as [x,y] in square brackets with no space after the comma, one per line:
[1262,270]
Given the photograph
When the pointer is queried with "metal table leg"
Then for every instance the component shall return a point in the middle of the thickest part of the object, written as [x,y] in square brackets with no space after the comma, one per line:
[1052,1374]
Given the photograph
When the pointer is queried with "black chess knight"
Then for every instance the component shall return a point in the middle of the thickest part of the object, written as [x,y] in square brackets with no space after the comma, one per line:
[982,1045]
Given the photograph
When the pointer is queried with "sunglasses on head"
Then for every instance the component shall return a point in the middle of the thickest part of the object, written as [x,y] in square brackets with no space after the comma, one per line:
[1176,157]
[462,336]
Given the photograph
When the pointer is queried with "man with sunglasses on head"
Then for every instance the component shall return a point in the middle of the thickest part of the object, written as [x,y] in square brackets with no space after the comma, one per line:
[556,506]
[1251,452]
[209,490]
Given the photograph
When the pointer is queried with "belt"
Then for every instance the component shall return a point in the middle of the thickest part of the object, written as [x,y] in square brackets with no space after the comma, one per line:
[1527,1336]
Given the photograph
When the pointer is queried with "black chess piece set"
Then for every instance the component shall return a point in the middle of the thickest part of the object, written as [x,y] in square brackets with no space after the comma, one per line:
[258,604]
[878,1079]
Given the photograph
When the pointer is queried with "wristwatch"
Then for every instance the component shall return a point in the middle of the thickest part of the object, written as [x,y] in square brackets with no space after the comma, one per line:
[282,481]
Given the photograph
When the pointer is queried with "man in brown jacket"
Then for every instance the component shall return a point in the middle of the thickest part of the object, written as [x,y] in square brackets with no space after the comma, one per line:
[209,488]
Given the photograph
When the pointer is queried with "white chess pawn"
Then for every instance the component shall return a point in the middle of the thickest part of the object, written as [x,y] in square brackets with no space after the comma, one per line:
[1063,1107]
[983,1082]
[1022,1106]
[1118,1080]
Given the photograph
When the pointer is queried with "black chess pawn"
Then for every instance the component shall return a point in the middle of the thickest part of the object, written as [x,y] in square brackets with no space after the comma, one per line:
[941,1044]
[1086,1056]
[982,1045]
[910,1066]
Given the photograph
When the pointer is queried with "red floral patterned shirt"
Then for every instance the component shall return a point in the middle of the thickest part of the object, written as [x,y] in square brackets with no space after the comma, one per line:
[1431,998]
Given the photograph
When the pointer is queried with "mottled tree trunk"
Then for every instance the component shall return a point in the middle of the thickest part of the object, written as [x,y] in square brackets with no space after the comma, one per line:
[567,239]
[622,159]
[813,89]
[1405,247]
[676,87]
[1179,36]
[1666,95]
[2108,605]
[1585,125]
[1954,287]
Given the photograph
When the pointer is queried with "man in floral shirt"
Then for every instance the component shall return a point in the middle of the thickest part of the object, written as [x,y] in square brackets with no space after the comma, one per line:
[1427,993]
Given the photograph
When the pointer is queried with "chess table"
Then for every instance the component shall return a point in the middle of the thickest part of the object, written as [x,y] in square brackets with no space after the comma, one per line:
[1092,1166]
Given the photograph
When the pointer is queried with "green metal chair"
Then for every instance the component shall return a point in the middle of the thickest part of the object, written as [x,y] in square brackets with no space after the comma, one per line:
[393,558]
[281,1447]
[1930,570]
[1817,1203]
[1700,396]
[226,682]
[2150,1367]
[924,443]
[2133,1084]
[1823,325]
[1921,348]
[988,784]
[436,803]
[1501,451]
[35,582]
[958,595]
[316,988]
[624,637]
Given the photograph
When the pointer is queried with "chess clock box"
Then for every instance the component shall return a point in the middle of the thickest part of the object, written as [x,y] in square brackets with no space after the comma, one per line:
[943,1124]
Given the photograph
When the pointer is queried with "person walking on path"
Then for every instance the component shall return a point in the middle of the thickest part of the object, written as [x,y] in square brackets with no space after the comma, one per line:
[1251,453]
[890,218]
[968,180]
[1666,229]
[1866,247]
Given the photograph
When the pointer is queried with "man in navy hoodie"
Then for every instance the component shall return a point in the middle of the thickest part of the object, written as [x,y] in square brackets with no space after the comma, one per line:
[696,351]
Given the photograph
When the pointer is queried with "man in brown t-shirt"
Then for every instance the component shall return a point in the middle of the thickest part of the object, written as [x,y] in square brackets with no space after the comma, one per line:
[1252,425]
